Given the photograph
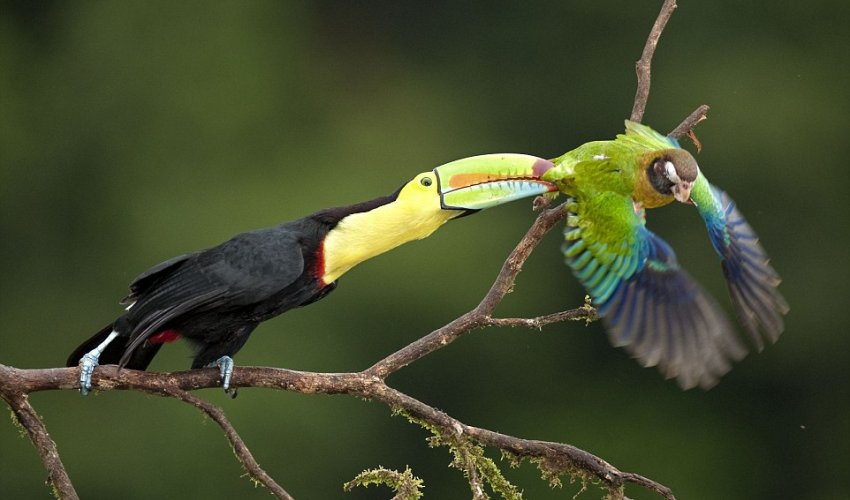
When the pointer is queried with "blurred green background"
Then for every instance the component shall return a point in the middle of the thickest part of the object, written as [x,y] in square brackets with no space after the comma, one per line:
[134,131]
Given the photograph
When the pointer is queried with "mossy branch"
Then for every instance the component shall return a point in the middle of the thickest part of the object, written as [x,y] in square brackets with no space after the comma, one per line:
[405,485]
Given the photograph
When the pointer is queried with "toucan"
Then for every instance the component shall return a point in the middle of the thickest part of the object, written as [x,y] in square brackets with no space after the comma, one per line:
[215,298]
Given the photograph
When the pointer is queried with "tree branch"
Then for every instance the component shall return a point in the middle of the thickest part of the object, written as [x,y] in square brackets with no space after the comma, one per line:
[480,316]
[586,313]
[243,454]
[29,420]
[643,69]
[644,64]
[690,122]
[559,457]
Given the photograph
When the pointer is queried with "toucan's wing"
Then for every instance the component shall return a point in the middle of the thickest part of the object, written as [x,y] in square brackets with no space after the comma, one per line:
[751,280]
[253,266]
[247,269]
[649,304]
[154,275]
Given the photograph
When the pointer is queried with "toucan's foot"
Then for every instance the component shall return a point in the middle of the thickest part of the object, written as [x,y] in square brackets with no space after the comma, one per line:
[87,364]
[225,364]
[90,360]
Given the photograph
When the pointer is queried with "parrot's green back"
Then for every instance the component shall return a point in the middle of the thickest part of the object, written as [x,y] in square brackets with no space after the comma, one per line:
[607,166]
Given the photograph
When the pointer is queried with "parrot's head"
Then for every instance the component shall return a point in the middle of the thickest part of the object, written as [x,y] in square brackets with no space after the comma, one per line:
[673,172]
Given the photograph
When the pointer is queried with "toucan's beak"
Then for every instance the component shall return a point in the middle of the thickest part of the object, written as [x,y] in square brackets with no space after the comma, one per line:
[485,181]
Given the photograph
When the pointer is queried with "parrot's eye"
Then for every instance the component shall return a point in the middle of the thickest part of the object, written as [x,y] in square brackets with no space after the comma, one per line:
[661,174]
[426,181]
[670,172]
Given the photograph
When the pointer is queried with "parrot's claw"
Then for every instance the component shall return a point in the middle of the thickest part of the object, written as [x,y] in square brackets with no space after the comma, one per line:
[225,365]
[87,365]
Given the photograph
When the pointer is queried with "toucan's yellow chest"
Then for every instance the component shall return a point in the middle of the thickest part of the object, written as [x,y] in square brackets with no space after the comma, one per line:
[361,236]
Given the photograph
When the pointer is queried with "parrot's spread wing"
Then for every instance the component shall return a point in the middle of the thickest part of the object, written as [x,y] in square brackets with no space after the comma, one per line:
[649,304]
[752,282]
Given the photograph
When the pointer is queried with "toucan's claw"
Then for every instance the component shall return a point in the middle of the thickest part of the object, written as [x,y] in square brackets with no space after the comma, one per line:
[225,365]
[87,364]
[89,361]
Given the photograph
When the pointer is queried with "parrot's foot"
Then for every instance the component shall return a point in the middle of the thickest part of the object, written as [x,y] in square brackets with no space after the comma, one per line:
[225,364]
[89,361]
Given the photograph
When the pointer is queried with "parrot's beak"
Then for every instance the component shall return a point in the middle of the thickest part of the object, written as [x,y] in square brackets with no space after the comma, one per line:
[682,192]
[485,181]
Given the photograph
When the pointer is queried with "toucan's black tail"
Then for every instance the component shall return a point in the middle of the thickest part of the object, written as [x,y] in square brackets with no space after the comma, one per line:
[139,360]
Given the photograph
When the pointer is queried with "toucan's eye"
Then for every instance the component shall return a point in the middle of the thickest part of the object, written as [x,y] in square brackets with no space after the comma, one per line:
[426,181]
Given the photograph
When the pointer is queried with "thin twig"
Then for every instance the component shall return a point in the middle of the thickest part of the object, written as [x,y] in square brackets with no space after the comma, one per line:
[690,122]
[476,485]
[26,415]
[539,322]
[649,484]
[479,316]
[239,448]
[643,65]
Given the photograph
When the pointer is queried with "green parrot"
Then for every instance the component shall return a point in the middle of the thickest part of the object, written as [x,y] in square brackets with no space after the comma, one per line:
[648,304]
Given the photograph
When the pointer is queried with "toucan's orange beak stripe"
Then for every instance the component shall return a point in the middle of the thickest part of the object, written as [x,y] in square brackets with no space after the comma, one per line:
[466,180]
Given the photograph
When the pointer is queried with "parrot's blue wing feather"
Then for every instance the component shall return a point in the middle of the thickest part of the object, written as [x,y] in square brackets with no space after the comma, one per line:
[648,303]
[663,317]
[751,281]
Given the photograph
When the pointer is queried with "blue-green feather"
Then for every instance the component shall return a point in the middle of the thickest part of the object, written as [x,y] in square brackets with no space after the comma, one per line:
[663,317]
[750,279]
[649,304]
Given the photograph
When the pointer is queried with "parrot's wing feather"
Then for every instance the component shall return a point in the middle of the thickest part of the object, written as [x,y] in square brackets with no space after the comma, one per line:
[649,304]
[751,280]
[644,136]
[665,318]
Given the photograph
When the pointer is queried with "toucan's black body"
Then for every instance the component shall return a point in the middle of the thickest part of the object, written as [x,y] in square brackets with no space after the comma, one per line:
[215,298]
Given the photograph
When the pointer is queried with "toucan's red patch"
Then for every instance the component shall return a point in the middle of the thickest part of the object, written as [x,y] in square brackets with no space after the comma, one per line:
[164,337]
[319,270]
